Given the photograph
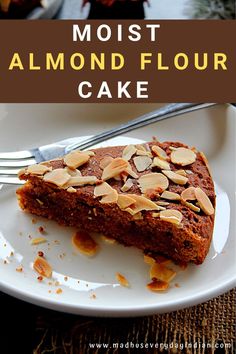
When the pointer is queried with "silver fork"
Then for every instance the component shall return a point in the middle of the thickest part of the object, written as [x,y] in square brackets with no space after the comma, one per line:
[12,162]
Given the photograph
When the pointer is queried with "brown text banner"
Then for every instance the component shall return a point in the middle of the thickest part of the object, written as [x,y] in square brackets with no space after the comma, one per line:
[117,61]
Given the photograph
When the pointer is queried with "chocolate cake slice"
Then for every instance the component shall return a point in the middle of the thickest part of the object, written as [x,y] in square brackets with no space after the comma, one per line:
[158,197]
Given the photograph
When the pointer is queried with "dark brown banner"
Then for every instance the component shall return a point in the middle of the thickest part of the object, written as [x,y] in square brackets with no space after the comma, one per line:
[112,61]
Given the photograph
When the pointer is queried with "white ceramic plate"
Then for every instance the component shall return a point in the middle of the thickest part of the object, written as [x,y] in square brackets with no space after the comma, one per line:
[211,130]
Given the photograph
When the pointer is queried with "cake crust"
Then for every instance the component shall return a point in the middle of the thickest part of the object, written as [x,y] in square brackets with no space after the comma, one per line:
[184,236]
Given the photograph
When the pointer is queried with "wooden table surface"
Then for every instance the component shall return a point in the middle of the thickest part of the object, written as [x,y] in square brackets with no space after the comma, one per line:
[30,329]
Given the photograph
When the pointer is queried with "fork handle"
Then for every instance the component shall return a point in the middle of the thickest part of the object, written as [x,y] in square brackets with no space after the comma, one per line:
[168,111]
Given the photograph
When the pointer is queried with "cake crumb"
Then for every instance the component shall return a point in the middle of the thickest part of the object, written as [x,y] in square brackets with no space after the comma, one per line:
[157,285]
[34,221]
[57,283]
[93,296]
[12,253]
[41,230]
[49,291]
[40,278]
[42,267]
[19,269]
[20,233]
[108,239]
[177,285]
[5,262]
[122,280]
[40,254]
[38,240]
[65,278]
[59,291]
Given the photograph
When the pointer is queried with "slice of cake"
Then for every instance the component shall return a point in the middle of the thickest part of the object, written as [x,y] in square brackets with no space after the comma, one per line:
[158,197]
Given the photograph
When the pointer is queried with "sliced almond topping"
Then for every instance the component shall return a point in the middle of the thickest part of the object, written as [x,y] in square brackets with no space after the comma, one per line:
[174,177]
[172,216]
[162,203]
[204,202]
[105,162]
[59,177]
[80,181]
[170,195]
[108,194]
[128,152]
[89,153]
[124,201]
[161,272]
[108,239]
[188,194]
[192,206]
[38,169]
[112,197]
[84,243]
[153,181]
[140,147]
[142,163]
[148,259]
[75,159]
[158,285]
[71,190]
[173,148]
[38,240]
[181,172]
[122,280]
[73,172]
[138,216]
[183,156]
[114,168]
[162,164]
[42,267]
[155,215]
[128,184]
[141,203]
[158,151]
[143,153]
[130,172]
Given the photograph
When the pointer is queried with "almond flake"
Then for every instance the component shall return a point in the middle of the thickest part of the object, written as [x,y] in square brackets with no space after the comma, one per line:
[192,206]
[105,162]
[124,201]
[162,203]
[181,172]
[71,190]
[114,168]
[142,163]
[158,151]
[183,156]
[84,243]
[162,164]
[138,216]
[110,198]
[153,181]
[42,267]
[158,285]
[130,172]
[38,240]
[161,272]
[122,280]
[175,177]
[148,259]
[80,181]
[172,216]
[39,170]
[128,184]
[108,194]
[59,177]
[128,152]
[188,194]
[170,195]
[204,202]
[73,172]
[143,153]
[76,159]
[141,203]
[140,147]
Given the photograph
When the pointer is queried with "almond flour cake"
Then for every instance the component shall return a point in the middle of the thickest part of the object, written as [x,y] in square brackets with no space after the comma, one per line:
[158,197]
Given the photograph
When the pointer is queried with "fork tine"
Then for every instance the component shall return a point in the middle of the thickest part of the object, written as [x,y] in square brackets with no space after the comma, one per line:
[16,155]
[10,180]
[17,163]
[11,172]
